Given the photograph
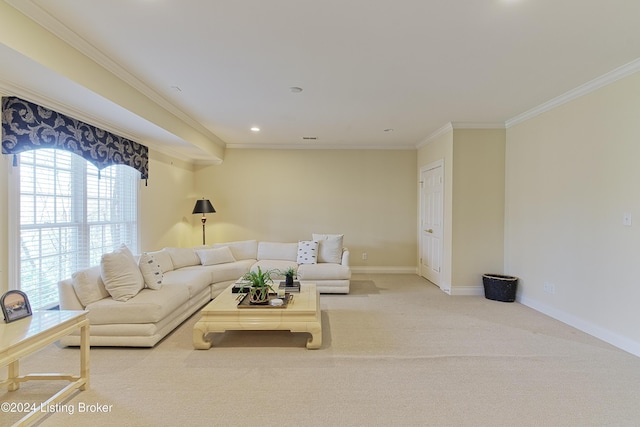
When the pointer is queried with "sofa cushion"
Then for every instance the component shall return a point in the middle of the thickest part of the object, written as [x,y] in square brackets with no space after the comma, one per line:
[323,271]
[307,252]
[120,274]
[88,285]
[229,271]
[151,271]
[148,306]
[215,256]
[194,278]
[183,257]
[278,251]
[245,249]
[329,247]
[164,259]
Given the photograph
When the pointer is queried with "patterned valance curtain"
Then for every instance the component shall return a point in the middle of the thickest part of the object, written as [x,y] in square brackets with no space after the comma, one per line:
[28,126]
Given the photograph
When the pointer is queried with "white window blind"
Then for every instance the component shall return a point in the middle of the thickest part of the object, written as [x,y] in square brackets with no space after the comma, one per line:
[70,214]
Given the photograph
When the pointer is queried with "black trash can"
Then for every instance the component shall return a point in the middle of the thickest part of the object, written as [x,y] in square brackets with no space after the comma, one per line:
[498,287]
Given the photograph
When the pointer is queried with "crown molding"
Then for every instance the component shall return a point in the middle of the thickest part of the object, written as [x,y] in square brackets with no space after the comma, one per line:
[47,21]
[595,84]
[476,125]
[301,146]
[459,125]
[439,132]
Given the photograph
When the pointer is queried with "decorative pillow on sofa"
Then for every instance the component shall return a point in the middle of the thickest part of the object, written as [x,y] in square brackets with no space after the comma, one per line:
[215,256]
[151,271]
[163,258]
[308,252]
[120,274]
[88,285]
[183,257]
[329,247]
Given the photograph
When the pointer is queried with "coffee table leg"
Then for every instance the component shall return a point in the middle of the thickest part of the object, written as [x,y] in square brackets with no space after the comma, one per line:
[315,341]
[199,340]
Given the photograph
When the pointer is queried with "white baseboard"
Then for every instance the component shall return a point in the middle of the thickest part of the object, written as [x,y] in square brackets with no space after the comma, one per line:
[363,269]
[599,332]
[467,291]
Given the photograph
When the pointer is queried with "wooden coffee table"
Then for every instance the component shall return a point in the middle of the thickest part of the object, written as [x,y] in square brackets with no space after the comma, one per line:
[302,314]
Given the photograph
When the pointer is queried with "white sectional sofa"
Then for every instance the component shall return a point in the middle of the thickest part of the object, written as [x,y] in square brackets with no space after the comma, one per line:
[136,301]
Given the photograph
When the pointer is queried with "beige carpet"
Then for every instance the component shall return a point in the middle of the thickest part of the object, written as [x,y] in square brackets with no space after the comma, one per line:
[396,352]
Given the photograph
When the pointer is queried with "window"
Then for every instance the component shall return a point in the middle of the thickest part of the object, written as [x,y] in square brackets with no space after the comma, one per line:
[70,214]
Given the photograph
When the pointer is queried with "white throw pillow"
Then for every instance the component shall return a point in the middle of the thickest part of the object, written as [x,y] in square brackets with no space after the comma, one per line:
[124,249]
[307,252]
[151,271]
[163,258]
[183,257]
[88,285]
[329,247]
[215,256]
[121,275]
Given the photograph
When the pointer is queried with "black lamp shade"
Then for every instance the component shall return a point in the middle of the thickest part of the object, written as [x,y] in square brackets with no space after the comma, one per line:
[203,206]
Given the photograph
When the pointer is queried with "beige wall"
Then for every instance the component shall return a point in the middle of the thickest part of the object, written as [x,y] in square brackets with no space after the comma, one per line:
[478,205]
[571,175]
[286,195]
[165,205]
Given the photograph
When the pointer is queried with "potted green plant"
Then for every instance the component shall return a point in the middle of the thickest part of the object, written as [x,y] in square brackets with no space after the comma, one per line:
[288,274]
[259,283]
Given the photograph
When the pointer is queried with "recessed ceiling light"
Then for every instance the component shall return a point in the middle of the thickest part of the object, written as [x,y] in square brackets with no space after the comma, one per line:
[388,130]
[309,138]
[176,88]
[255,129]
[295,89]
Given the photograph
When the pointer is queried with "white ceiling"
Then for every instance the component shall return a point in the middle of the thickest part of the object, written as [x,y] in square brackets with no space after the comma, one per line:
[364,65]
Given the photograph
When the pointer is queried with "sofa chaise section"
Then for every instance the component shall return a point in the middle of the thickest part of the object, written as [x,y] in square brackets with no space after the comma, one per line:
[141,321]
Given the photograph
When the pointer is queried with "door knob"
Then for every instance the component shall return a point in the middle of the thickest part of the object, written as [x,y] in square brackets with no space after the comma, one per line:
[429,230]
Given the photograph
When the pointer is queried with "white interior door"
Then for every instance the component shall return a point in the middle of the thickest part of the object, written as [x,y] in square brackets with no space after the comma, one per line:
[431,222]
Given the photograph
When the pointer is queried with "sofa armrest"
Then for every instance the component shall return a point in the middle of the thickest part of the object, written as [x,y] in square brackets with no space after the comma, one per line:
[68,298]
[345,257]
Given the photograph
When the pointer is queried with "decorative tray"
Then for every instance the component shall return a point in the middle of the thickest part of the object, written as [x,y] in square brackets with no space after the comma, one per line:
[243,301]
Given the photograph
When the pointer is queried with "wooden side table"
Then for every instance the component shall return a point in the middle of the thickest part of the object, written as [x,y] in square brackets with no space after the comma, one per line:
[25,336]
